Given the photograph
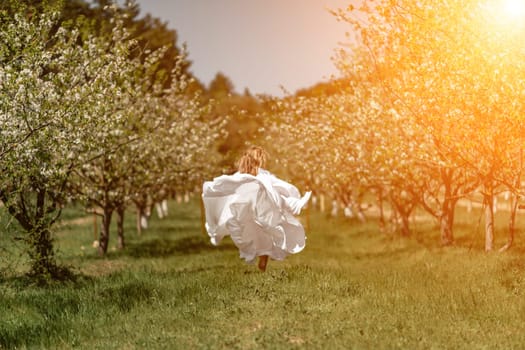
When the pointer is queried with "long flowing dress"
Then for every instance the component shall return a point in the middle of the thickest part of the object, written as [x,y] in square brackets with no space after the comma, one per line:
[257,212]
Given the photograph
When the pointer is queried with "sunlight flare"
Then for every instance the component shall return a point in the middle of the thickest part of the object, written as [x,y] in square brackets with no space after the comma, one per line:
[514,9]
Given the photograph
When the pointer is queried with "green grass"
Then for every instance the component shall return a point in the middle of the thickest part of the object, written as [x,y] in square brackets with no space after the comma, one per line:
[352,287]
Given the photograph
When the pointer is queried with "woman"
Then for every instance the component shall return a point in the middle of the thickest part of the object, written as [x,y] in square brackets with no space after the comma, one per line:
[256,209]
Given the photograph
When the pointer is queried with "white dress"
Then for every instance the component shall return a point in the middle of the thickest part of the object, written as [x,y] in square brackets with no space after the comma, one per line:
[257,212]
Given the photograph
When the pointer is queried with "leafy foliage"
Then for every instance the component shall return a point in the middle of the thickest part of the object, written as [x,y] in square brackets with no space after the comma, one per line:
[83,118]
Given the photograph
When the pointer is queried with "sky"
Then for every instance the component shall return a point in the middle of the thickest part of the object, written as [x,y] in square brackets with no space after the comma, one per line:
[261,45]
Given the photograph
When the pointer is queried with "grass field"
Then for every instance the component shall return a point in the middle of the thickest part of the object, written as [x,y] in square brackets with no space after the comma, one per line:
[351,288]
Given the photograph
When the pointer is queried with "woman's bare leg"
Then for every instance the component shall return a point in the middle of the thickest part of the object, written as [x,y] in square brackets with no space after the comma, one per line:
[263,260]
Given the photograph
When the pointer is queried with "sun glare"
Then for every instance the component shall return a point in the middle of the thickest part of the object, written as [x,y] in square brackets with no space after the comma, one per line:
[503,15]
[514,9]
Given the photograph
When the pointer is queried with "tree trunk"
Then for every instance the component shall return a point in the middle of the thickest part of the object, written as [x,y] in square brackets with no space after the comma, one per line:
[404,215]
[160,212]
[512,222]
[488,201]
[335,208]
[42,255]
[445,230]
[203,218]
[41,252]
[405,224]
[446,222]
[514,199]
[120,227]
[355,207]
[95,229]
[39,241]
[164,206]
[104,231]
[360,214]
[381,211]
[140,208]
[137,221]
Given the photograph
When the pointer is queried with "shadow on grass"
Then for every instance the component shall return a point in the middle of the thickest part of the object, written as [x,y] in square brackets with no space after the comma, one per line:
[18,336]
[67,276]
[162,247]
[49,312]
[387,253]
[161,228]
[127,295]
[470,237]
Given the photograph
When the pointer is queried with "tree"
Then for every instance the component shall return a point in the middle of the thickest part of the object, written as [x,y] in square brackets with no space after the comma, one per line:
[52,93]
[456,70]
[241,115]
[162,136]
[220,87]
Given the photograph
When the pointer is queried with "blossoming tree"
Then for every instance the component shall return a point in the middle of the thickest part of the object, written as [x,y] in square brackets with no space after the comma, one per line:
[454,68]
[54,89]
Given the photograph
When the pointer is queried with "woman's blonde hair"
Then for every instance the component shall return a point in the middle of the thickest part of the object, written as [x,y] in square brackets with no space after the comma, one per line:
[252,159]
